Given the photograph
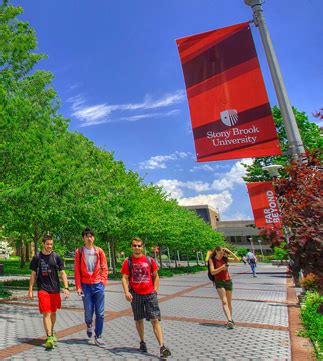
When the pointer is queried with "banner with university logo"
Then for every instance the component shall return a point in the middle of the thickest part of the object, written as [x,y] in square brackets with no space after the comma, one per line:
[230,112]
[264,205]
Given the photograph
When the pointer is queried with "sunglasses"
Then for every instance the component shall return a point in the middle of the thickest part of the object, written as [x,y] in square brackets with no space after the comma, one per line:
[136,245]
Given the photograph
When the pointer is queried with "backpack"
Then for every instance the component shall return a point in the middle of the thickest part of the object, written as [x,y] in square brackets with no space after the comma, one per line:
[130,265]
[55,255]
[209,274]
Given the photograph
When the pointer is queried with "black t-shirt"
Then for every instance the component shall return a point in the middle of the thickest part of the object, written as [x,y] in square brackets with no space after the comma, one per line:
[47,277]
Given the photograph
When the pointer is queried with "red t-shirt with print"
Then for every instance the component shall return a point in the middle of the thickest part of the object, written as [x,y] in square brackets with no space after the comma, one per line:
[141,279]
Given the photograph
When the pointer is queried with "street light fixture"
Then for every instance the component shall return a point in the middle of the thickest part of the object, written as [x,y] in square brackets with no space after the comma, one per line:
[273,169]
[252,247]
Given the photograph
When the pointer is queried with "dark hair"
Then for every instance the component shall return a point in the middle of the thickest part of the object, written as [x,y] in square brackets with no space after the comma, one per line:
[137,239]
[86,231]
[217,249]
[47,237]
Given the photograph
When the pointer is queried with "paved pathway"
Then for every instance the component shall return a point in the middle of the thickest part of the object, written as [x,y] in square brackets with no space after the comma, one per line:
[193,323]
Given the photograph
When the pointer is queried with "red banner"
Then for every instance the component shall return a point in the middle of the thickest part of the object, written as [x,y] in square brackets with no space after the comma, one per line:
[264,205]
[229,107]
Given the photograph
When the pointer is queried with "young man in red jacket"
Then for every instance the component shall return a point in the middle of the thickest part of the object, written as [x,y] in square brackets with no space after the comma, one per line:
[140,283]
[91,275]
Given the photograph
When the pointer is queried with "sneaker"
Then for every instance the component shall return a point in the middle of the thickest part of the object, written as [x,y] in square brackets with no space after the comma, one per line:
[54,336]
[99,341]
[49,344]
[230,325]
[164,352]
[143,346]
[89,330]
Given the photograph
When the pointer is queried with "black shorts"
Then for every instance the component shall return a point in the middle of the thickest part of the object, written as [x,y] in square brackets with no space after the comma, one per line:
[227,285]
[145,306]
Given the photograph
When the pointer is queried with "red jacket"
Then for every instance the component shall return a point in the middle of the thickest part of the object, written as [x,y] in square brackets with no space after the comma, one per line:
[100,273]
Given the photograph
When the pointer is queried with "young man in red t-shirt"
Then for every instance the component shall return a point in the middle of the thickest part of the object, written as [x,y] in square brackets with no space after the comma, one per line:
[140,283]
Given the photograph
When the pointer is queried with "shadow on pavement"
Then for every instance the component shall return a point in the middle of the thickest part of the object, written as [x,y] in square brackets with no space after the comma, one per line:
[73,341]
[31,341]
[132,350]
[213,325]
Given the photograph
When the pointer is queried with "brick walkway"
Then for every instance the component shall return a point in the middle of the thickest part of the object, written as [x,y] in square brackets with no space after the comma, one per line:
[193,323]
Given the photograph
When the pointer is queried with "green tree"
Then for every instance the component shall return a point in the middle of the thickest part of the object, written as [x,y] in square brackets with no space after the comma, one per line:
[310,134]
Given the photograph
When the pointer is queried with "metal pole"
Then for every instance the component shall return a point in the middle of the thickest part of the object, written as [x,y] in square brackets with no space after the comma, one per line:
[295,144]
[259,241]
[252,247]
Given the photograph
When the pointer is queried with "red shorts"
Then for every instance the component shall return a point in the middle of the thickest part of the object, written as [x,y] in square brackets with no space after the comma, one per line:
[48,302]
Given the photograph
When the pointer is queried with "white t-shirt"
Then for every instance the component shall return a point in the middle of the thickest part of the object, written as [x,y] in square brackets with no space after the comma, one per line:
[90,259]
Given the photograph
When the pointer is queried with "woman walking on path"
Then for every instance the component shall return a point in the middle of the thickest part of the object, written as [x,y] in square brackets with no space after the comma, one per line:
[222,280]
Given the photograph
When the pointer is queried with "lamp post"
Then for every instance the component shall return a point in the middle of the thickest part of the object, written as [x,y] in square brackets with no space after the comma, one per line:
[252,247]
[295,144]
[262,253]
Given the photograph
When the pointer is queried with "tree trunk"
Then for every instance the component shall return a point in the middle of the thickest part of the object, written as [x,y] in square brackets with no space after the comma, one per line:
[113,256]
[28,248]
[175,258]
[35,239]
[22,254]
[188,259]
[160,258]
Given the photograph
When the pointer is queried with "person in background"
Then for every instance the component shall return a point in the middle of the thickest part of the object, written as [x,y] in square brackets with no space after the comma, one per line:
[45,267]
[252,260]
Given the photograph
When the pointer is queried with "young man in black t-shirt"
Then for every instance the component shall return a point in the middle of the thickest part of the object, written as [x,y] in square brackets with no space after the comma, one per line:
[45,267]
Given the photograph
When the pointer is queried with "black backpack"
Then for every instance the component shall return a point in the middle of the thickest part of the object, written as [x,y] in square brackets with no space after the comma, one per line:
[209,274]
[130,265]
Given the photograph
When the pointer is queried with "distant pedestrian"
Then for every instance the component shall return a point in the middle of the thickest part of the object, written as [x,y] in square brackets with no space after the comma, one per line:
[218,265]
[45,267]
[140,283]
[244,259]
[252,260]
[91,275]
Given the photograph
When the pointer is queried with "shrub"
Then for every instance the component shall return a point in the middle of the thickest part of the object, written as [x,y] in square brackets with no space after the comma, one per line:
[3,292]
[312,317]
[241,251]
[309,282]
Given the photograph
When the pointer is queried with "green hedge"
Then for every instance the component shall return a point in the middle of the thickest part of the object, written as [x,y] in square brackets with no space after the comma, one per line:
[312,317]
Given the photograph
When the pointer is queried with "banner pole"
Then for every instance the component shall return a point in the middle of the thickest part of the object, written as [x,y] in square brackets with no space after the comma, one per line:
[295,144]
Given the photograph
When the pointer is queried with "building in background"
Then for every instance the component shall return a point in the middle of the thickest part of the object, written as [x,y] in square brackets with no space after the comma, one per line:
[208,214]
[244,234]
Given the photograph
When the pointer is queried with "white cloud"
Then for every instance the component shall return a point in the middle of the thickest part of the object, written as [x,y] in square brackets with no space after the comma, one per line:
[204,167]
[221,201]
[101,113]
[159,161]
[93,115]
[134,118]
[172,187]
[175,187]
[233,177]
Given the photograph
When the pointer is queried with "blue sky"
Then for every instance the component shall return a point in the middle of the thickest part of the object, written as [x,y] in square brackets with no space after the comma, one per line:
[118,74]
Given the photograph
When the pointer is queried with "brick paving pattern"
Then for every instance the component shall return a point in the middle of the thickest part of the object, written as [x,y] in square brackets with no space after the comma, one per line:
[194,324]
